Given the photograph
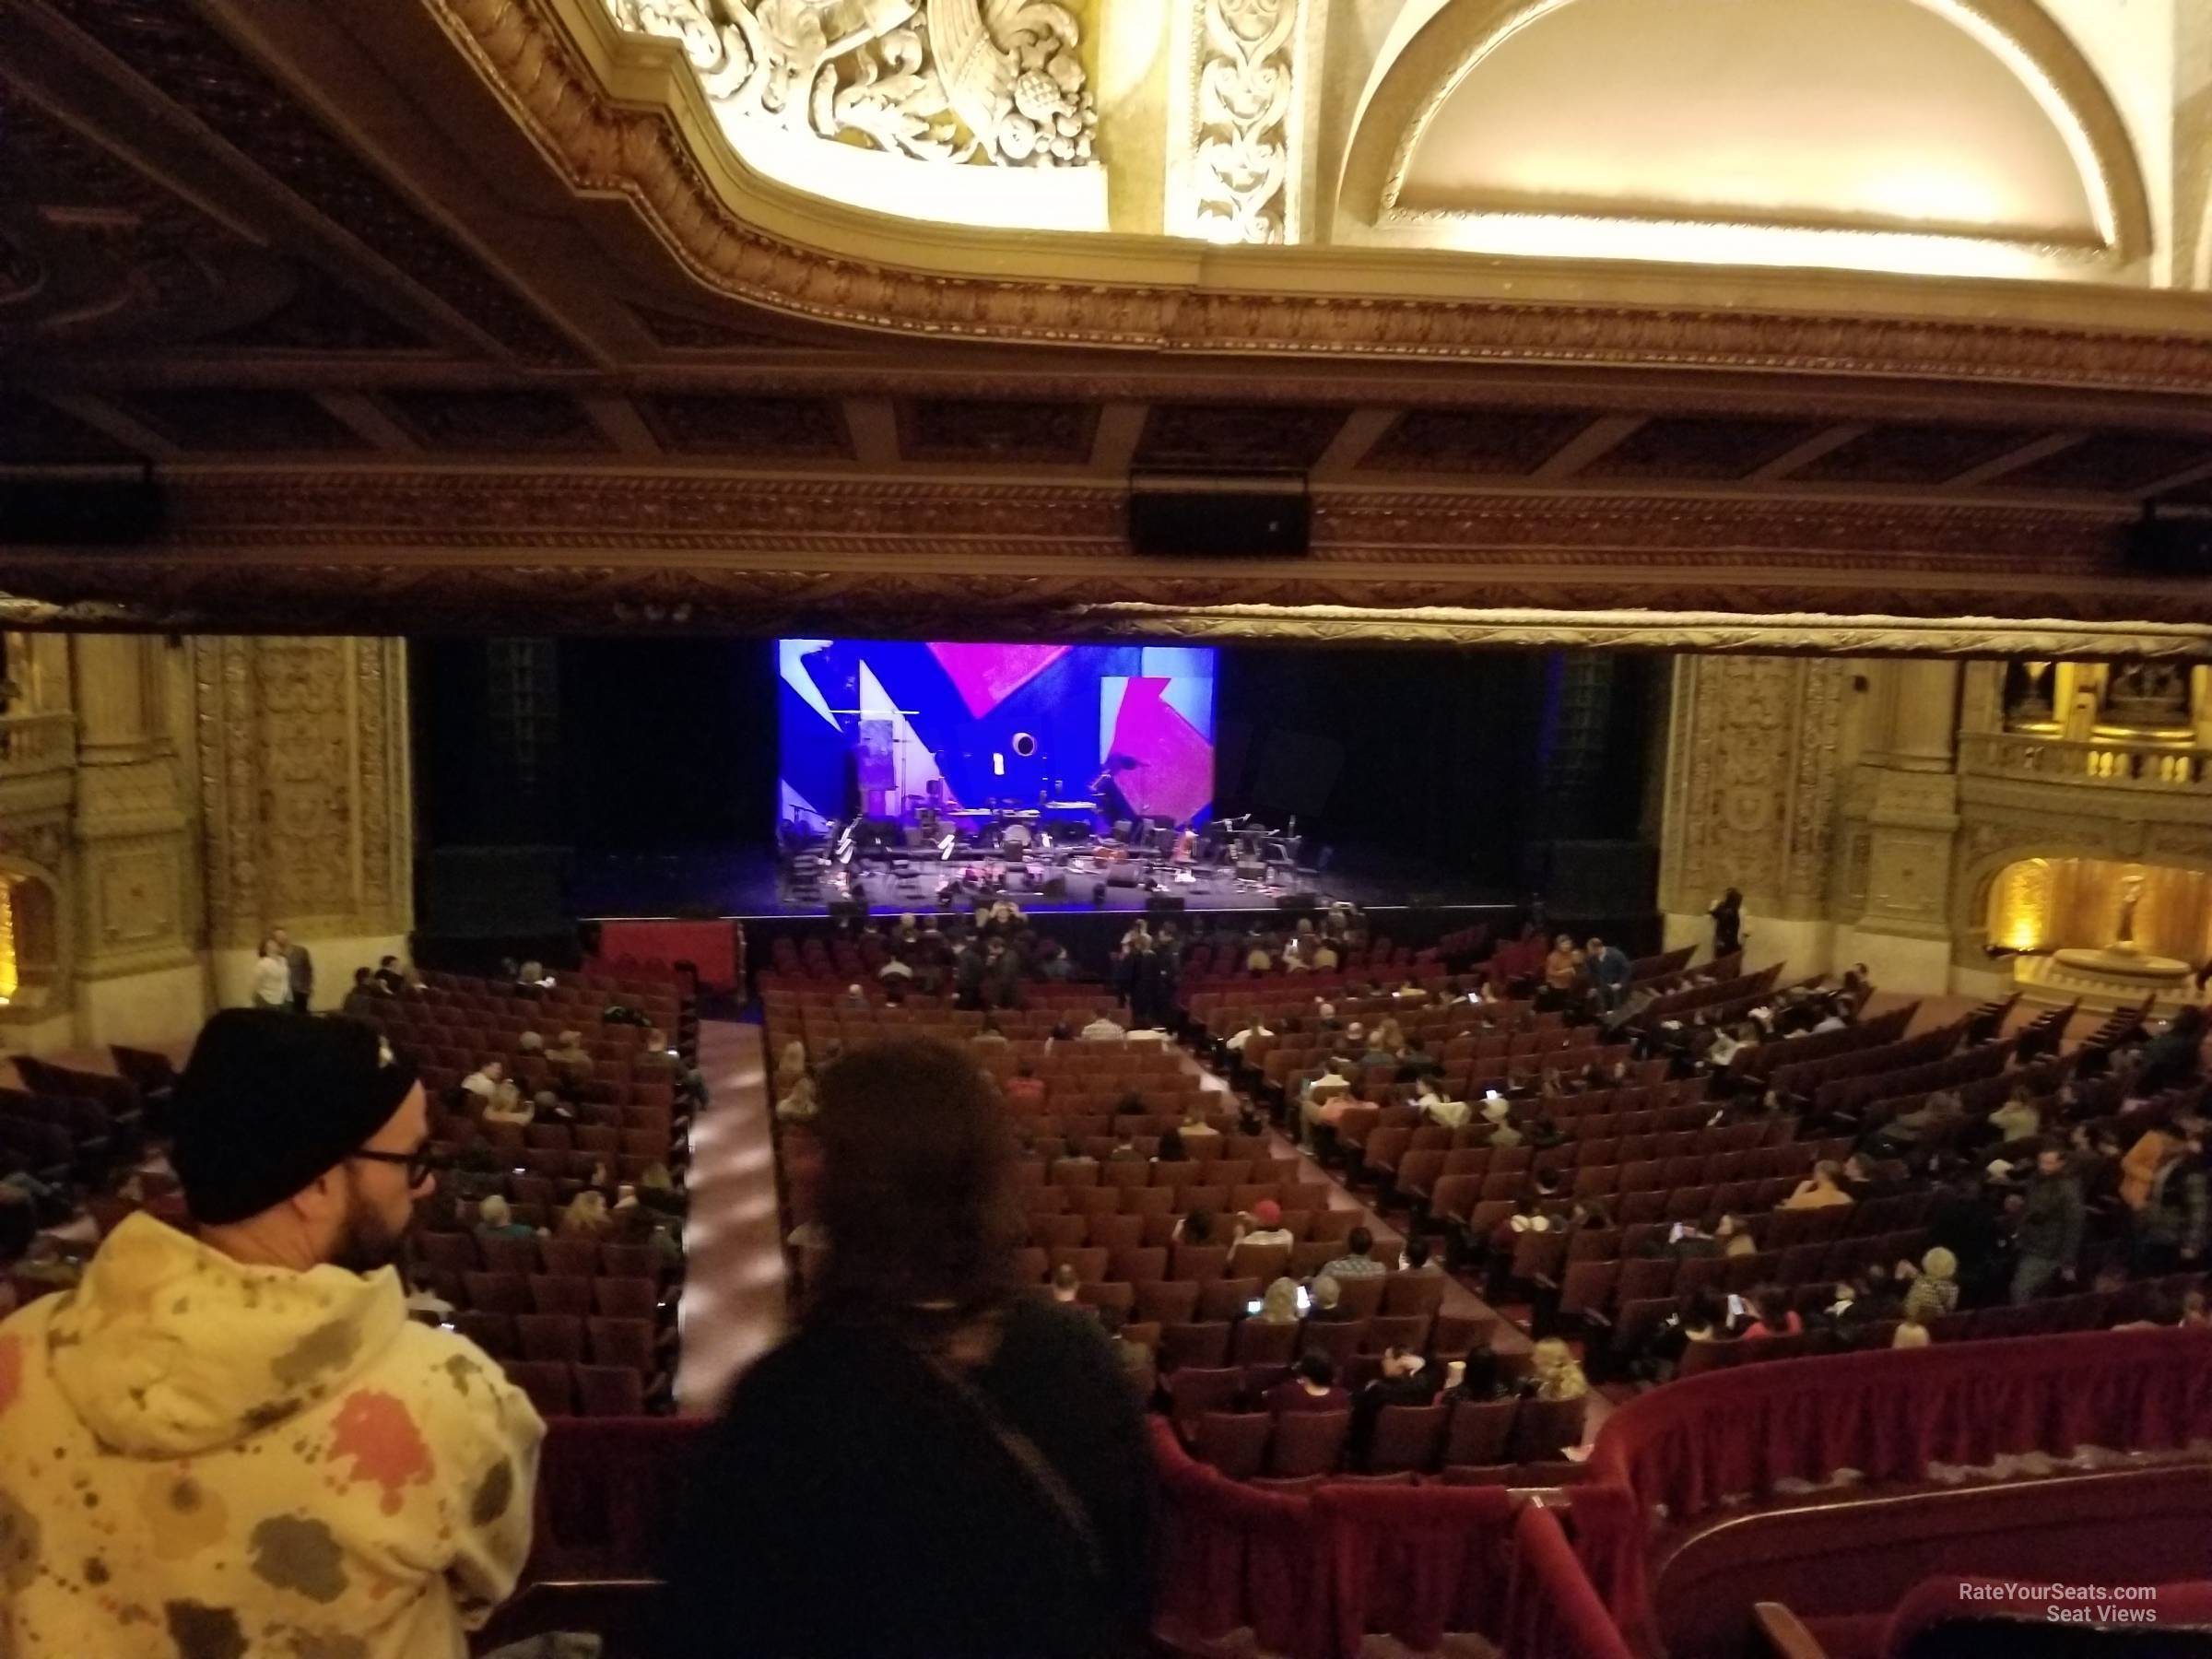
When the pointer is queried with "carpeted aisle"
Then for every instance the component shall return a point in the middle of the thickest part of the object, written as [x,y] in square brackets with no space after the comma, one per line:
[733,1309]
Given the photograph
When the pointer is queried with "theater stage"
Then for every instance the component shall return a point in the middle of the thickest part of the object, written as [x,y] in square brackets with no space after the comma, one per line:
[748,885]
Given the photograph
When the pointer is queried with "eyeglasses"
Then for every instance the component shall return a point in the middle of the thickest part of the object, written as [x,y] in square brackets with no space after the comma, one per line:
[418,1163]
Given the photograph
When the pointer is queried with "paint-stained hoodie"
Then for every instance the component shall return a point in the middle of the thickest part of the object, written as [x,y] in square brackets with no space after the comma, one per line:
[204,1460]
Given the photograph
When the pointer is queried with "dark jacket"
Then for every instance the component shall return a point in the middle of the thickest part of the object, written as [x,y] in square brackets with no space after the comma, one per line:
[852,1502]
[2051,1224]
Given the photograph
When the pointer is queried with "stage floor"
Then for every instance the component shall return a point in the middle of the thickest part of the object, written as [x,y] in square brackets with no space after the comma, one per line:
[743,885]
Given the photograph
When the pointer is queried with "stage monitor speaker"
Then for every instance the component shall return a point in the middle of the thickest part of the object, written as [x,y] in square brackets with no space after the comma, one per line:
[1252,871]
[494,892]
[1297,902]
[2169,547]
[1055,886]
[1165,904]
[1097,893]
[1203,515]
[1122,874]
[1589,880]
[848,910]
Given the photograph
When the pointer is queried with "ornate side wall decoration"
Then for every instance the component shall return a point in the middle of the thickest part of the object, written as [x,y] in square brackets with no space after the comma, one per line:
[990,81]
[303,786]
[1241,184]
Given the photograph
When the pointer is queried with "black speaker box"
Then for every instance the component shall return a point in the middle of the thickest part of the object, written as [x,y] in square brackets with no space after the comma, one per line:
[1297,902]
[1202,516]
[2169,547]
[1055,885]
[1165,904]
[1097,893]
[848,910]
[1122,874]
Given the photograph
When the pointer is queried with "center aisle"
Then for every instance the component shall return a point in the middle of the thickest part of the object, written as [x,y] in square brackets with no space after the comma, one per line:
[733,1305]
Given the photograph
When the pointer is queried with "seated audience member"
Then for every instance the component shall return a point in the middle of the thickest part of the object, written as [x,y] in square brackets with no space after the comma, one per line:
[797,1106]
[1553,1372]
[1194,1127]
[1025,1087]
[1911,1331]
[1497,1111]
[990,1036]
[1311,1386]
[1819,1189]
[2019,1119]
[362,1000]
[1355,1262]
[1420,1258]
[1171,1150]
[530,1043]
[484,1082]
[1136,1358]
[392,977]
[586,1217]
[1065,1283]
[1103,1028]
[493,1217]
[507,1105]
[1698,1317]
[1130,1104]
[1278,1304]
[791,1065]
[1934,1287]
[153,1421]
[1407,1378]
[571,1059]
[1197,1227]
[1262,1227]
[1776,1317]
[1124,1150]
[919,1371]
[2196,1315]
[1734,1238]
[1327,1307]
[1438,1107]
[1254,1025]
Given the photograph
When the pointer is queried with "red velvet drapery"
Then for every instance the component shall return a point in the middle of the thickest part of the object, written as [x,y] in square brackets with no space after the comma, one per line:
[1887,1414]
[1312,1575]
[1552,1609]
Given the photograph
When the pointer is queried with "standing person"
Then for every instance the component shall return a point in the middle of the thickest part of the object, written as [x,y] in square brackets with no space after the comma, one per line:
[922,1383]
[2049,1228]
[1609,968]
[240,1443]
[1727,913]
[272,978]
[300,971]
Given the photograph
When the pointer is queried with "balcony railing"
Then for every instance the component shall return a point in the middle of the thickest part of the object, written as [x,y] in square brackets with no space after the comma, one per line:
[2163,767]
[37,743]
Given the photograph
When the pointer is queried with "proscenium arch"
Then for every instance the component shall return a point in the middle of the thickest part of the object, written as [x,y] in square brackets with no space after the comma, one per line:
[1436,56]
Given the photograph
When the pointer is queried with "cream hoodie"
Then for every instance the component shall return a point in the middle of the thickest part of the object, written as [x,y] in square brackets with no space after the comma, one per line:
[204,1460]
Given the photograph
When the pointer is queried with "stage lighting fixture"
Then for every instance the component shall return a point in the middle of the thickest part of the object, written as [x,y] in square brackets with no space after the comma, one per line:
[998,764]
[1024,744]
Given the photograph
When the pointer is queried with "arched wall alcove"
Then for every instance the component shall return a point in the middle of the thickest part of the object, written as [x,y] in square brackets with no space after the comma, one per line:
[1940,137]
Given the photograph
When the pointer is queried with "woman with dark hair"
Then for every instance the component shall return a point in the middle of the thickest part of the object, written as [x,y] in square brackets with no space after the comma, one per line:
[934,1463]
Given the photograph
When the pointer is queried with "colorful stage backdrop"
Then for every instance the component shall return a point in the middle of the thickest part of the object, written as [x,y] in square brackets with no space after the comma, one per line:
[885,726]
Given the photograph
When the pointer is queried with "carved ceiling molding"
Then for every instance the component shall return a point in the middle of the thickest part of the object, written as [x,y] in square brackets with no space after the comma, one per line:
[683,512]
[198,597]
[602,147]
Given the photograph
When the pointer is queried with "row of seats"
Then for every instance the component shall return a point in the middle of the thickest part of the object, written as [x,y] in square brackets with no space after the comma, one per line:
[1088,1240]
[466,1250]
[1480,1437]
[1227,1295]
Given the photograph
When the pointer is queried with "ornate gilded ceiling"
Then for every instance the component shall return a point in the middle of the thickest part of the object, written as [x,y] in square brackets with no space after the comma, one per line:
[464,313]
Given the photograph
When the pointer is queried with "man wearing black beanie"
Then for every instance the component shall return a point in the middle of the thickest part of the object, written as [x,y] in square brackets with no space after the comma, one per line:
[240,1443]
